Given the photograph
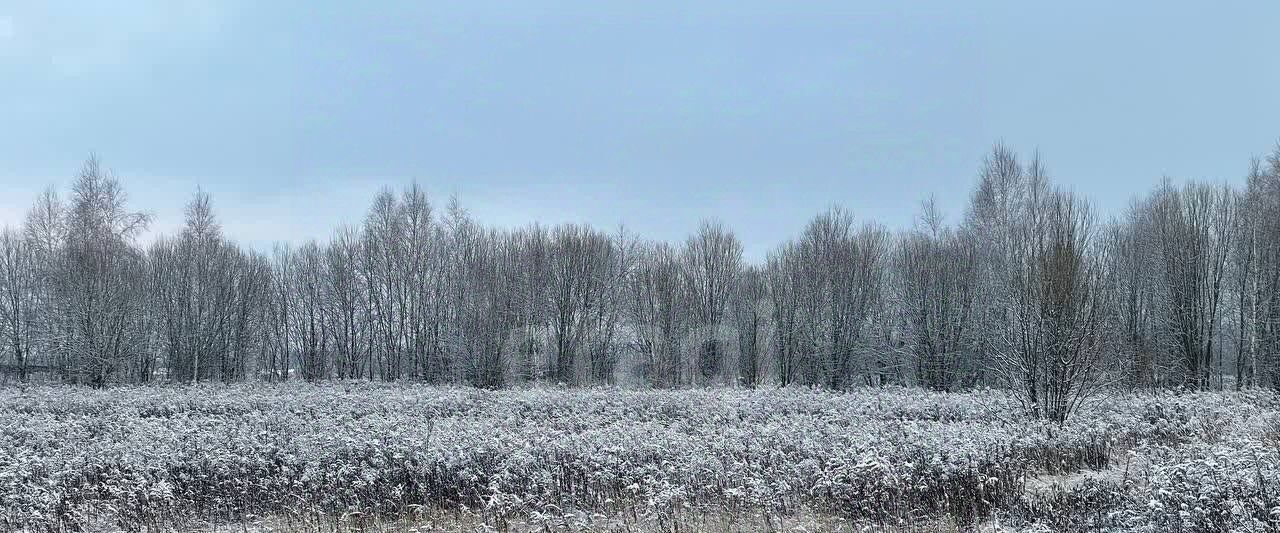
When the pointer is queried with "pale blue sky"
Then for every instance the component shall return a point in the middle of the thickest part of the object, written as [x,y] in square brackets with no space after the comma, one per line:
[651,114]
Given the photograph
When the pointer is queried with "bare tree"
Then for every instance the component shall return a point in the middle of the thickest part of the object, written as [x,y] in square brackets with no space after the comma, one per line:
[582,262]
[1195,228]
[753,320]
[939,285]
[712,262]
[422,282]
[1137,287]
[528,340]
[98,283]
[381,264]
[485,314]
[785,277]
[205,298]
[998,207]
[1257,276]
[19,314]
[281,331]
[827,289]
[345,294]
[657,313]
[1054,349]
[311,313]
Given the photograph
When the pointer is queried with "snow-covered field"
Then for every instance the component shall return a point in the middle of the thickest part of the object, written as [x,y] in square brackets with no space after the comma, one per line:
[412,458]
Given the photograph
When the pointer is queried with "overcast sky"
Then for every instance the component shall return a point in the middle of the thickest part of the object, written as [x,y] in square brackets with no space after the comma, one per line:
[649,114]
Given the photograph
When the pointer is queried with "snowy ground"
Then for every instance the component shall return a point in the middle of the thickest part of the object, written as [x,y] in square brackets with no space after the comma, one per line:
[406,458]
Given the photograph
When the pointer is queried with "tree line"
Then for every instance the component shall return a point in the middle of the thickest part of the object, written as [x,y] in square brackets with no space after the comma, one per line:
[1029,289]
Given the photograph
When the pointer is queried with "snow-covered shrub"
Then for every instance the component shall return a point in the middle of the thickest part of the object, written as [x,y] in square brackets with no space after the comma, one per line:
[139,457]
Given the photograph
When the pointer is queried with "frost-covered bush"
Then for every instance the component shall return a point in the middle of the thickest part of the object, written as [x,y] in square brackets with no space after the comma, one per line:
[141,457]
[1195,463]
